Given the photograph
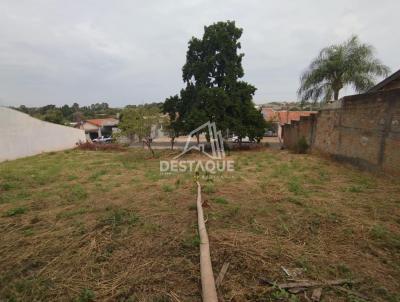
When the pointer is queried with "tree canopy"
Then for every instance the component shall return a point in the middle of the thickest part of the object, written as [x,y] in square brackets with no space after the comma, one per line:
[74,113]
[351,63]
[214,91]
[139,122]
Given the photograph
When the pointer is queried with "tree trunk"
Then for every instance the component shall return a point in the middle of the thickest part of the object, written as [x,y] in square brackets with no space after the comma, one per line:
[148,143]
[172,142]
[336,94]
[198,138]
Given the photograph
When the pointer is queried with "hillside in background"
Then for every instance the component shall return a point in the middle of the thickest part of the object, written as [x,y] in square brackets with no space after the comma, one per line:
[66,114]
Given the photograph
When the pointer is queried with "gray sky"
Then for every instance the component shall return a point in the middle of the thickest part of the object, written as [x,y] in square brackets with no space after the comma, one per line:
[130,52]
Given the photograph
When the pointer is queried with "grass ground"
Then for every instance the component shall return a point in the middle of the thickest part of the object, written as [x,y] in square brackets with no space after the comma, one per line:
[94,226]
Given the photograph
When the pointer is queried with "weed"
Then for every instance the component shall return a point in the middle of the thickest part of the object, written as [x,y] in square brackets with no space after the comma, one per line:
[119,217]
[6,186]
[167,188]
[161,298]
[153,175]
[378,232]
[220,200]
[192,207]
[150,228]
[231,212]
[344,270]
[96,175]
[295,200]
[191,242]
[385,237]
[76,193]
[15,211]
[86,295]
[28,232]
[281,170]
[355,189]
[295,187]
[209,188]
[69,214]
[72,177]
[314,224]
[282,295]
[334,217]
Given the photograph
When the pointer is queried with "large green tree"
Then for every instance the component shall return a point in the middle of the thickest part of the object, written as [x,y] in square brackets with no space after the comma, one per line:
[351,63]
[214,91]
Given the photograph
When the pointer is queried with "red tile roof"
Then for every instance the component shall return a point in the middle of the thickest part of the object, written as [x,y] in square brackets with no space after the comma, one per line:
[103,121]
[284,116]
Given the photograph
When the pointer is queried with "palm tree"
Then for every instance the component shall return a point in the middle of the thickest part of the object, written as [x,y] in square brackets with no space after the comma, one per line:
[350,63]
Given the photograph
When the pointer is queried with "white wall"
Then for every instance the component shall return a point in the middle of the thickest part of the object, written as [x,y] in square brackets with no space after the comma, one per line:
[22,135]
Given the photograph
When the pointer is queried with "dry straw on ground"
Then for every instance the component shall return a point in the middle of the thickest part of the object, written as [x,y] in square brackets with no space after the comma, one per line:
[106,226]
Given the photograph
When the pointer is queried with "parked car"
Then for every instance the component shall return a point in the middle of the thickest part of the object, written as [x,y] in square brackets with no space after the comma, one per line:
[269,133]
[245,139]
[103,139]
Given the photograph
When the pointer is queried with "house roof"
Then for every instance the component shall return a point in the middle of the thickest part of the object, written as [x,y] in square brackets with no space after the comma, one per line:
[284,116]
[103,122]
[394,77]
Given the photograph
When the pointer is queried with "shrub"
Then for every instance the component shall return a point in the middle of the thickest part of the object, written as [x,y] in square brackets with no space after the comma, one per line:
[302,146]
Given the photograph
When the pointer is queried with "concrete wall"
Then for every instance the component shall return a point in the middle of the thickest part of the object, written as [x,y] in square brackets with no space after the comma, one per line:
[22,135]
[362,129]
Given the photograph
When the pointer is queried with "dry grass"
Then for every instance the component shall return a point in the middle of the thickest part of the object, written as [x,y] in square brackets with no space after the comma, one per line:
[85,226]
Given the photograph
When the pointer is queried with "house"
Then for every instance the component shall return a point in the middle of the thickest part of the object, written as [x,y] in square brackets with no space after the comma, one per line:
[282,117]
[98,127]
[390,82]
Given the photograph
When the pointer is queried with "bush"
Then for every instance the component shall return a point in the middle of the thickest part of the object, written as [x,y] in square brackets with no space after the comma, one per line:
[302,146]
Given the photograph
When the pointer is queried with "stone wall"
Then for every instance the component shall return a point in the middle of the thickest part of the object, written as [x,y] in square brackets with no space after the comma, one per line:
[22,135]
[362,129]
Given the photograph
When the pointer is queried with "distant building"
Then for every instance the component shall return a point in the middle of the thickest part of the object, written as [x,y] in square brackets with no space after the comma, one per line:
[281,117]
[95,128]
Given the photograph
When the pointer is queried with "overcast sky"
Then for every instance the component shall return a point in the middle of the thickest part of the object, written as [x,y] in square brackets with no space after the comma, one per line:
[131,52]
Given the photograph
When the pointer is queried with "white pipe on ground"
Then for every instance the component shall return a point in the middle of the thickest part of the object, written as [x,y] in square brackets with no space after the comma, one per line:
[206,272]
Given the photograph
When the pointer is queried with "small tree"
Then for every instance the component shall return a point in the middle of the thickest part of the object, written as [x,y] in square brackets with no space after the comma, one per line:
[171,131]
[139,122]
[172,124]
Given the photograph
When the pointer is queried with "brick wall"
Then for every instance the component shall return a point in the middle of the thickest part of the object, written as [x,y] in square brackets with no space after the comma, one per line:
[296,129]
[362,129]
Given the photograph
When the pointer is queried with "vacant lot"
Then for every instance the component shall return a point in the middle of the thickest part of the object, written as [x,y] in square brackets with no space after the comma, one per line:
[86,225]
